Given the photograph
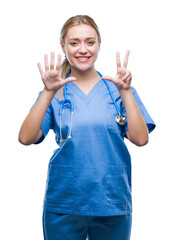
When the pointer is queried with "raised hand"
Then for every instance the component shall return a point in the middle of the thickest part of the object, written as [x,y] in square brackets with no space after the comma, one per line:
[51,76]
[123,77]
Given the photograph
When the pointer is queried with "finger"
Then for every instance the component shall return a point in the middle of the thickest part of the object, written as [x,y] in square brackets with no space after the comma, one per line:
[58,65]
[118,60]
[52,61]
[46,62]
[69,79]
[57,85]
[126,59]
[128,80]
[108,78]
[127,75]
[41,70]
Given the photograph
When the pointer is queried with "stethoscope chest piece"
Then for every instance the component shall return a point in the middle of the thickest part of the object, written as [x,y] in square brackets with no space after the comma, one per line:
[120,119]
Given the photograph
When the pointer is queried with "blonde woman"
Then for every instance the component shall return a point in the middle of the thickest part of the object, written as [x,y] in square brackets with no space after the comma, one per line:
[88,192]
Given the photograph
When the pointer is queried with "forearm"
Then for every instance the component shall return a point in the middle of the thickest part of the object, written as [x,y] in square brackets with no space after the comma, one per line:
[30,129]
[137,128]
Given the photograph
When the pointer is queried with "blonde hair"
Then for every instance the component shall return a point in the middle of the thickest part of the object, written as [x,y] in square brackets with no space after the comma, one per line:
[73,21]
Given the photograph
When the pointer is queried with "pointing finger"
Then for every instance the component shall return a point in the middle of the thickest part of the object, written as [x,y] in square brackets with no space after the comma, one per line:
[118,59]
[126,59]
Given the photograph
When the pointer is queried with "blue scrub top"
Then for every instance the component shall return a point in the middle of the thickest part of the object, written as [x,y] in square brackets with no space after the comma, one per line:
[90,174]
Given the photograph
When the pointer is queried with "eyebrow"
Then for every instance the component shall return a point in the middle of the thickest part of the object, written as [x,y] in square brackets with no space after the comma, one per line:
[76,39]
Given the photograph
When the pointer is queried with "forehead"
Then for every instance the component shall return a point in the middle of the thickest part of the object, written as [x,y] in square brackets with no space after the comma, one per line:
[81,31]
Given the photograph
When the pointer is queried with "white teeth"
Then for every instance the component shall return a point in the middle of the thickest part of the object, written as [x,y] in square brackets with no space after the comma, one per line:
[82,59]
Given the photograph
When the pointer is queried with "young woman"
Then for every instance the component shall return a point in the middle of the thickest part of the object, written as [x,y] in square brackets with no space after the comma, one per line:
[88,190]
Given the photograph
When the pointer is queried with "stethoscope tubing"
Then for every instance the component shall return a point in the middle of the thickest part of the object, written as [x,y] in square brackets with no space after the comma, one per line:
[71,105]
[65,101]
[119,118]
[112,97]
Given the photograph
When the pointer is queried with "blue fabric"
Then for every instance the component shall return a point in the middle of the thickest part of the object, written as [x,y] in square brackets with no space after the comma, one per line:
[48,122]
[73,227]
[90,174]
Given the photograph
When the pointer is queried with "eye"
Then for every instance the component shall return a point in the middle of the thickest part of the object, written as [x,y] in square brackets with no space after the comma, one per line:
[73,44]
[90,43]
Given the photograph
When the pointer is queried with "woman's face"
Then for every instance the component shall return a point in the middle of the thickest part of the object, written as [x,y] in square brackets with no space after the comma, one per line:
[81,46]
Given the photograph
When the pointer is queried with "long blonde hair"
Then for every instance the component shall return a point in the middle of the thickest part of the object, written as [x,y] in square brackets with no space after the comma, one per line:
[73,21]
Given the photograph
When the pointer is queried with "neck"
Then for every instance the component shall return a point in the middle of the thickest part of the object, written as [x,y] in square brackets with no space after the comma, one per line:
[84,76]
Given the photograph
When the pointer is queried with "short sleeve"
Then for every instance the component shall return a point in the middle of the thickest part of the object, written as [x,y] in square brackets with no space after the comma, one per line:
[47,122]
[150,123]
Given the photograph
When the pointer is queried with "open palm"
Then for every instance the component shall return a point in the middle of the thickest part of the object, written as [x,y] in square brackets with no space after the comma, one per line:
[51,76]
[123,77]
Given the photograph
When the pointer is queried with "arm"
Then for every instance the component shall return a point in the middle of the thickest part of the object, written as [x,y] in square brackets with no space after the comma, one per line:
[137,129]
[30,131]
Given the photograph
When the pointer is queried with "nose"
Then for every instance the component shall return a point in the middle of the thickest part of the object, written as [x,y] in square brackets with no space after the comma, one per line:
[83,50]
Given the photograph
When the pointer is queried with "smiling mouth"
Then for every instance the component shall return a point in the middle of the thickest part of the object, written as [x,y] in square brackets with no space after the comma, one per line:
[83,59]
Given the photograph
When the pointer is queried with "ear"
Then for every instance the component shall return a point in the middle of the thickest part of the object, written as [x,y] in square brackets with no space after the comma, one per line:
[62,46]
[99,44]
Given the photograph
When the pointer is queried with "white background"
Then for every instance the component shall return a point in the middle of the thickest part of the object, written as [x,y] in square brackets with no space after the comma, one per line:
[31,28]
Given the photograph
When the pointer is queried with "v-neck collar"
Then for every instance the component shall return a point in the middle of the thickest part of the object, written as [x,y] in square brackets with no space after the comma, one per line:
[81,94]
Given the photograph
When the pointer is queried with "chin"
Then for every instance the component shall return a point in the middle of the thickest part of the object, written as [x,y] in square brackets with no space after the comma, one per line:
[83,69]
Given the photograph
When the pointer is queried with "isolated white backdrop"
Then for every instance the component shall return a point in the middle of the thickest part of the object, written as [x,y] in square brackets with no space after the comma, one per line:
[31,28]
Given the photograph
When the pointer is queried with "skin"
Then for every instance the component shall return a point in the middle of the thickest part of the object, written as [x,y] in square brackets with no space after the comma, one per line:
[137,133]
[81,47]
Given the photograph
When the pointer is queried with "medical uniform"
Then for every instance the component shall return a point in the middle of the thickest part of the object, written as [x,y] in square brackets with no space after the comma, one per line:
[90,174]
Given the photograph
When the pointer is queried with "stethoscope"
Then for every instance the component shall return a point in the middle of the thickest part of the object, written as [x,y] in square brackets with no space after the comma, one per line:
[120,119]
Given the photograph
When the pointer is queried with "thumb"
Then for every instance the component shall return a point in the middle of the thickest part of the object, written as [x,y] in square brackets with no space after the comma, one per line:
[108,78]
[70,79]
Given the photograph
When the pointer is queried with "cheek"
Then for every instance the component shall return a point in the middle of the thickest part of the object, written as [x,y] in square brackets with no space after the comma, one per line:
[70,56]
[70,52]
[95,52]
